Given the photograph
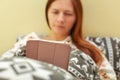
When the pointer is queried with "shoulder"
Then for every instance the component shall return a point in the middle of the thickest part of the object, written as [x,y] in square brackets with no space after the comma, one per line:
[32,35]
[19,47]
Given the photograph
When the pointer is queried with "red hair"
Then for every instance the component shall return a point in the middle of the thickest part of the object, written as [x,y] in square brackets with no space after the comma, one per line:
[77,34]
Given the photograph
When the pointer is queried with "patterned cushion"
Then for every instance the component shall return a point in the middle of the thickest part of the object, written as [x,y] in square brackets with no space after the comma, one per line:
[110,46]
[18,68]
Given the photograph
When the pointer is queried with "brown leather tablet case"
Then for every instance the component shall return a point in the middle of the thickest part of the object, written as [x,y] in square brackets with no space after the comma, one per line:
[50,52]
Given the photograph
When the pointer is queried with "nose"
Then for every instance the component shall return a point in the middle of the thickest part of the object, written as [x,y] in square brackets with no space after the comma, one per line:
[60,18]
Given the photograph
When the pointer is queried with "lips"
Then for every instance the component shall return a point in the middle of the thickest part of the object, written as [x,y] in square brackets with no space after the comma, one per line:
[59,26]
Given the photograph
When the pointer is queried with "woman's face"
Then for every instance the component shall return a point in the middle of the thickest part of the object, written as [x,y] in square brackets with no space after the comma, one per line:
[61,17]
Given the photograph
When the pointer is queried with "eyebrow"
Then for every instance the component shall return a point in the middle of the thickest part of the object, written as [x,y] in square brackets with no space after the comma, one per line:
[70,11]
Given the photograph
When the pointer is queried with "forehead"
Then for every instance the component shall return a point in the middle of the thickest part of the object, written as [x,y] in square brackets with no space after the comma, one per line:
[62,4]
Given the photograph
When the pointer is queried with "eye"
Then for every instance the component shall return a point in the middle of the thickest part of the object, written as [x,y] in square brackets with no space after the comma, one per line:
[68,14]
[55,12]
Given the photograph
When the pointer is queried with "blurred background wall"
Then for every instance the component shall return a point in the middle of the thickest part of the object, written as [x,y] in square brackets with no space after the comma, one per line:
[18,17]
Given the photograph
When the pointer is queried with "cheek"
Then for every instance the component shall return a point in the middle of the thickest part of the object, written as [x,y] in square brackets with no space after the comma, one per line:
[71,23]
[50,20]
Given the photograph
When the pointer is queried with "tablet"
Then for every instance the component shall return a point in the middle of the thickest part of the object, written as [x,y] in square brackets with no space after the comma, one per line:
[50,52]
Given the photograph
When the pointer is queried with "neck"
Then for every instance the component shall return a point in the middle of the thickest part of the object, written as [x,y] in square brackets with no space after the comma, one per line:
[56,37]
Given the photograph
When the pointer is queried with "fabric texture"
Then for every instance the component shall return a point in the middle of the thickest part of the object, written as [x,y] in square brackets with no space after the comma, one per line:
[110,46]
[19,68]
[80,65]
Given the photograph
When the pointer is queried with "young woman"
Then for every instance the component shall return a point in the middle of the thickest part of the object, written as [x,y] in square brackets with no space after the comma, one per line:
[64,18]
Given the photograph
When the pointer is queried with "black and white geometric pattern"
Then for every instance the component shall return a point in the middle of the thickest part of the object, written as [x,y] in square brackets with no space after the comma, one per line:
[110,46]
[83,66]
[80,65]
[20,68]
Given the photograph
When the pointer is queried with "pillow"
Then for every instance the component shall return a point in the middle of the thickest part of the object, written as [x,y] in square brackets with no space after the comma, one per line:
[21,68]
[110,46]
